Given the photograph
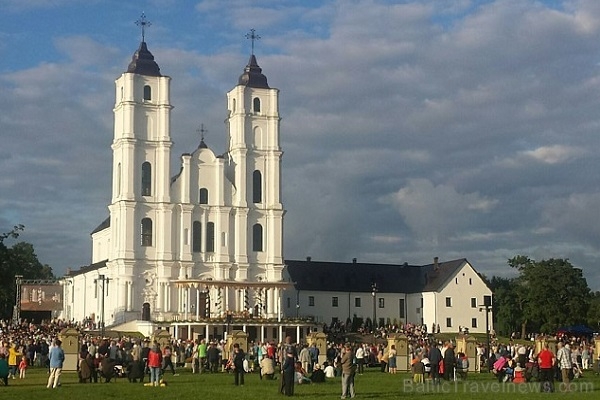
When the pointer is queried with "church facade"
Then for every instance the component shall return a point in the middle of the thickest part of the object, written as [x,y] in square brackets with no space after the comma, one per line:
[203,242]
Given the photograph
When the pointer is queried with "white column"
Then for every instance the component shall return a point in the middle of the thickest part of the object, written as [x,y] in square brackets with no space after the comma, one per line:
[277,299]
[206,332]
[129,305]
[297,333]
[161,296]
[262,333]
[123,293]
[226,300]
[197,304]
[168,297]
[269,301]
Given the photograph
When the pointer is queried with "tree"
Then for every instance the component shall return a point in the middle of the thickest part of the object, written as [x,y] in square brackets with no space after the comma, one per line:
[549,294]
[506,309]
[20,259]
[593,319]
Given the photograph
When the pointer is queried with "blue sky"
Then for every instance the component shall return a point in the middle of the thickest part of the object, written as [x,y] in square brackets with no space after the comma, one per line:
[410,130]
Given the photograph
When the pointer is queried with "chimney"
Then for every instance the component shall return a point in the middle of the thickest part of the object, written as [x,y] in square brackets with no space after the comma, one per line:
[436,264]
[354,261]
[309,258]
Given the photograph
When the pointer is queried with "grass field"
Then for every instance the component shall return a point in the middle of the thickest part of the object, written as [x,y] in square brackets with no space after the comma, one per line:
[371,385]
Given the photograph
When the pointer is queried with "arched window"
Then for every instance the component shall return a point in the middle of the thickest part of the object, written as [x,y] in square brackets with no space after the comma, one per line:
[233,105]
[203,196]
[256,187]
[146,232]
[196,237]
[256,105]
[147,93]
[210,237]
[146,179]
[257,237]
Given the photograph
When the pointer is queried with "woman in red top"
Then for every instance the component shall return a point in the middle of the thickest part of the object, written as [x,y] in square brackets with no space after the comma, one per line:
[154,364]
[546,361]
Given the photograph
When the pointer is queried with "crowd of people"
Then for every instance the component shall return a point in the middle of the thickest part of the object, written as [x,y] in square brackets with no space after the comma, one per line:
[101,359]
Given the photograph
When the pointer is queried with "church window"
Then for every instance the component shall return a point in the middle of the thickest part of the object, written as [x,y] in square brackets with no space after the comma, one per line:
[146,179]
[233,105]
[257,187]
[146,232]
[147,93]
[196,237]
[257,237]
[203,196]
[210,237]
[256,104]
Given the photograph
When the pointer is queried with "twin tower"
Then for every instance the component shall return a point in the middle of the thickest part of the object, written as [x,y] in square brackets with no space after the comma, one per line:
[216,223]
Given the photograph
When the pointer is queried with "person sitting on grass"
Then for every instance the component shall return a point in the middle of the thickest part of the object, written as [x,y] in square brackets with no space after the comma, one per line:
[318,376]
[301,375]
[328,370]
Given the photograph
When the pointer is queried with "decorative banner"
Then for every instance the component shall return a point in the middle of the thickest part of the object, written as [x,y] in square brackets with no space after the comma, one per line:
[41,297]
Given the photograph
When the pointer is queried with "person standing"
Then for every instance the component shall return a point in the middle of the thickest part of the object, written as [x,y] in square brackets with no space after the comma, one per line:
[287,348]
[449,362]
[238,364]
[289,372]
[23,367]
[392,364]
[546,362]
[348,372]
[202,349]
[360,359]
[56,356]
[168,360]
[214,358]
[435,357]
[13,360]
[3,369]
[563,359]
[304,357]
[154,364]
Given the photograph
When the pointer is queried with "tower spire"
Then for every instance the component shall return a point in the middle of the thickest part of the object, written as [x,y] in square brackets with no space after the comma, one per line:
[253,37]
[143,22]
[202,131]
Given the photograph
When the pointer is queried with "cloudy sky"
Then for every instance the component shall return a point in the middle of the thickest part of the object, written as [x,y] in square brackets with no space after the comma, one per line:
[411,129]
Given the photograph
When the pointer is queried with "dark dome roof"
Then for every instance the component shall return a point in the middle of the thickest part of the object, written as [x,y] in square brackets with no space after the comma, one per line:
[143,63]
[252,76]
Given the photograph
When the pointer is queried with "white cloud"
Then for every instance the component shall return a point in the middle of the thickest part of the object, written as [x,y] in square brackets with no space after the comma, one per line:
[555,154]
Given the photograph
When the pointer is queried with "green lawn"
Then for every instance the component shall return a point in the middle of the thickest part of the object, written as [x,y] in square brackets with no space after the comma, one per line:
[372,384]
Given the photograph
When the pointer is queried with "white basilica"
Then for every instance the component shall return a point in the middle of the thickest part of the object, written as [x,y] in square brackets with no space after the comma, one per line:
[200,243]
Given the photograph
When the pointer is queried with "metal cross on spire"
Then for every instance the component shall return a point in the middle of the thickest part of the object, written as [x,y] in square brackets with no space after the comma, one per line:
[253,37]
[143,23]
[202,131]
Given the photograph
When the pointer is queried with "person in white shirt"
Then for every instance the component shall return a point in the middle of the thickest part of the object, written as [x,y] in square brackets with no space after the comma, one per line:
[360,359]
[329,370]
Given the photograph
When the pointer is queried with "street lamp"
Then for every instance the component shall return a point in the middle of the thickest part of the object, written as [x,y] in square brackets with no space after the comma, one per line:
[374,291]
[102,278]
